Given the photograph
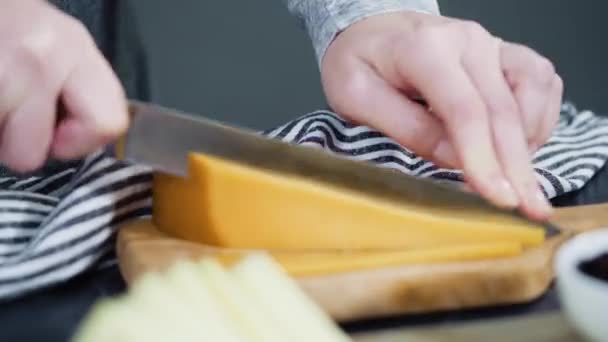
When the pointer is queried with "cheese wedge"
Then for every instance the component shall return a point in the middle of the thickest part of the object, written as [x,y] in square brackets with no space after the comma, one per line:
[229,205]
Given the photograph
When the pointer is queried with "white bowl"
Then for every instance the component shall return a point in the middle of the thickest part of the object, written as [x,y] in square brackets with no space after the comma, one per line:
[584,299]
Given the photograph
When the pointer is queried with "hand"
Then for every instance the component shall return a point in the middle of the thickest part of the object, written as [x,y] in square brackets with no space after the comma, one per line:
[45,56]
[491,104]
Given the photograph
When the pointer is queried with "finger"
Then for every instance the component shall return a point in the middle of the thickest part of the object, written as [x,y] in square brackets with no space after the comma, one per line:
[530,76]
[96,110]
[30,79]
[407,122]
[506,122]
[454,98]
[552,111]
[27,133]
[15,84]
[466,187]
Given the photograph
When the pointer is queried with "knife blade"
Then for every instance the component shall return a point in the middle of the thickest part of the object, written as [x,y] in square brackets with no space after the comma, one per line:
[163,138]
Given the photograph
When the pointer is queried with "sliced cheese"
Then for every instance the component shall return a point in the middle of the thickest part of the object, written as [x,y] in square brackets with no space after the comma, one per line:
[153,295]
[243,309]
[203,301]
[230,205]
[116,320]
[194,290]
[265,281]
[307,263]
[311,265]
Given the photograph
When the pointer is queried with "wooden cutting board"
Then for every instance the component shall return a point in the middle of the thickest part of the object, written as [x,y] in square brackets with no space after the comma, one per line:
[393,290]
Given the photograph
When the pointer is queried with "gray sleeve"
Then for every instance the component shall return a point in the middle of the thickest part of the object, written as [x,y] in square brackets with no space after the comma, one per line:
[324,19]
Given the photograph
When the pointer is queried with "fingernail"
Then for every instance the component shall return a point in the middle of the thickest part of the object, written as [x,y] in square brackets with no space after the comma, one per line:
[507,194]
[539,202]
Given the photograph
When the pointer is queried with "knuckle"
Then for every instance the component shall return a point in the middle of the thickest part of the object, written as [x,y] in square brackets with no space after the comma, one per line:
[539,72]
[39,48]
[34,51]
[545,69]
[77,30]
[503,107]
[421,47]
[429,34]
[472,28]
[355,86]
[426,39]
[465,109]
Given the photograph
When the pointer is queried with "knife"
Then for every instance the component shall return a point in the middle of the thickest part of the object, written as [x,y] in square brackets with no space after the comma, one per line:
[163,138]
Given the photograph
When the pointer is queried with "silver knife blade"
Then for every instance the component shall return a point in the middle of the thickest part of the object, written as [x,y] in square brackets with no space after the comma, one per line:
[162,138]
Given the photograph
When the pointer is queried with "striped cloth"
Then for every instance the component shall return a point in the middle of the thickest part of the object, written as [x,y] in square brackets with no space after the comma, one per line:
[55,227]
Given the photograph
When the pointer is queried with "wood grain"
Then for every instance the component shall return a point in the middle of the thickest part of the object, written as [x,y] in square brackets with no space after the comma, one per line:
[392,290]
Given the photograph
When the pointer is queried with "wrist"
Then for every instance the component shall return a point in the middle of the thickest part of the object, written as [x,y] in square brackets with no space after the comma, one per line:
[341,15]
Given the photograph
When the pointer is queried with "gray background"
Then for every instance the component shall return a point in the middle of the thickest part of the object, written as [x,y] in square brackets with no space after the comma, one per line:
[248,63]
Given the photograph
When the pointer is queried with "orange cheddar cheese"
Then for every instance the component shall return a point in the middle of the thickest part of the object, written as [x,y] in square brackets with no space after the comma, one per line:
[229,205]
[302,264]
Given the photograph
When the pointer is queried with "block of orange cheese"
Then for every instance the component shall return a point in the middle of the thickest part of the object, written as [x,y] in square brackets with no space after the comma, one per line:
[230,205]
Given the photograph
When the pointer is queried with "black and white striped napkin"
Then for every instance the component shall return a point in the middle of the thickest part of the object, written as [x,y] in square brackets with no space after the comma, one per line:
[55,227]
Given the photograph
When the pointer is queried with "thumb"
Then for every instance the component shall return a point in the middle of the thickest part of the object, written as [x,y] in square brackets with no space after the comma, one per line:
[95,110]
[370,100]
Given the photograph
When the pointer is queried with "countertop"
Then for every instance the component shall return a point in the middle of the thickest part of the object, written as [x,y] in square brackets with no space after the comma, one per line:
[54,314]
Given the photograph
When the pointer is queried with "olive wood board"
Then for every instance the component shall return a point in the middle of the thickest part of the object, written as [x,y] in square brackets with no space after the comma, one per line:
[393,290]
